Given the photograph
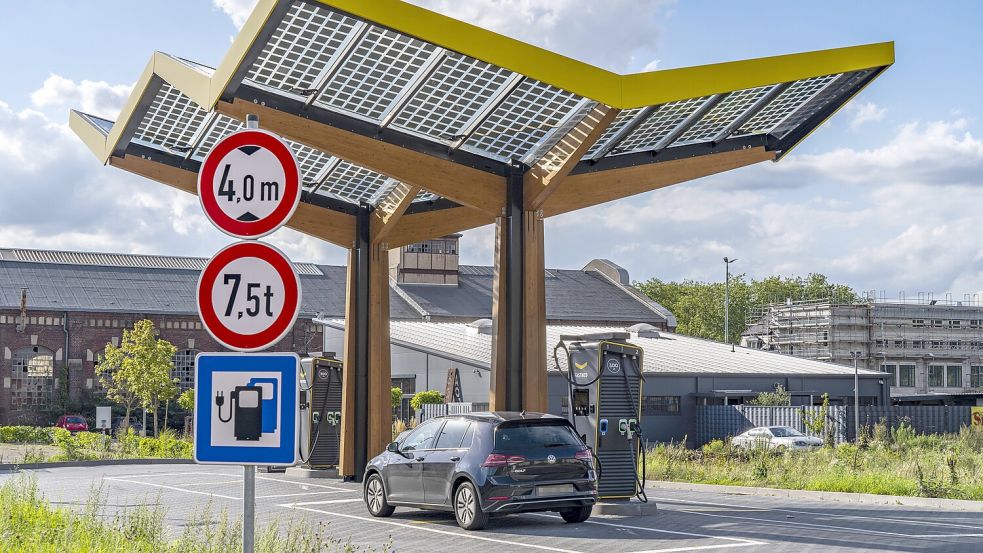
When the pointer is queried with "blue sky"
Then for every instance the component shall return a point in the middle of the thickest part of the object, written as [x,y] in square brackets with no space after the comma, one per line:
[883,197]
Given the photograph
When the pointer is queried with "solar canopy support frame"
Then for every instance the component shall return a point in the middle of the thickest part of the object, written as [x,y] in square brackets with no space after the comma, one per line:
[582,184]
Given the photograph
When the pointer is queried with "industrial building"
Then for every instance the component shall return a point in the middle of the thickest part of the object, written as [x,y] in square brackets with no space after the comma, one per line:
[932,350]
[58,310]
[680,372]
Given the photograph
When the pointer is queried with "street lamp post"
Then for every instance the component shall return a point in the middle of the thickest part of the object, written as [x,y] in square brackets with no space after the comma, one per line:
[856,396]
[727,263]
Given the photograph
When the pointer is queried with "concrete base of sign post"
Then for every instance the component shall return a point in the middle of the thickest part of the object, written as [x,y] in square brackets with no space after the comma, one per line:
[305,472]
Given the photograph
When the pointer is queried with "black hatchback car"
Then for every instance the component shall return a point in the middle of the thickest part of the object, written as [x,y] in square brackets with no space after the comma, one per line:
[480,464]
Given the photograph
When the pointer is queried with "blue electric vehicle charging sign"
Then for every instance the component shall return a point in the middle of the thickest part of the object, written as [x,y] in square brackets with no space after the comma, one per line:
[247,409]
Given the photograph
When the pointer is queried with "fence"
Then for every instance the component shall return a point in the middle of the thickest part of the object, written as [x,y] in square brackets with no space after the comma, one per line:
[428,411]
[719,422]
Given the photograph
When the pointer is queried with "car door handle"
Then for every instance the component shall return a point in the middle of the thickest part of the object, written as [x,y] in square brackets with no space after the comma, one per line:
[419,458]
[455,459]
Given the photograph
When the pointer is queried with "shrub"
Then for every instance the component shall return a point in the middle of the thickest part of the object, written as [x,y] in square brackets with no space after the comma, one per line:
[428,397]
[715,448]
[25,434]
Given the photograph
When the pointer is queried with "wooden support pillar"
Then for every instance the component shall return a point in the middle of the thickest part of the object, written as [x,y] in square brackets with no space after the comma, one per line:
[534,383]
[366,419]
[497,393]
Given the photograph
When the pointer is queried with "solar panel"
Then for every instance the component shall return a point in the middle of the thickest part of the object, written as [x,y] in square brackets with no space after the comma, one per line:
[729,109]
[522,120]
[355,184]
[454,94]
[797,94]
[171,120]
[221,127]
[619,122]
[301,48]
[312,163]
[658,125]
[832,92]
[375,72]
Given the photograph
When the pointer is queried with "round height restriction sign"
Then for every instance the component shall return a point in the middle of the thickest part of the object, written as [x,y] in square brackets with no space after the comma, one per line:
[249,184]
[248,296]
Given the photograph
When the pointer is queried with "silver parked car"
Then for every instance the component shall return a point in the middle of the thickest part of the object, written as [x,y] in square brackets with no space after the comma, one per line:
[783,438]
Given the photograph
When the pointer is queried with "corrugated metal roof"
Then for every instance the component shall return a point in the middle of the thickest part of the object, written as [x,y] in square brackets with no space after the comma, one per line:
[121,260]
[571,295]
[670,353]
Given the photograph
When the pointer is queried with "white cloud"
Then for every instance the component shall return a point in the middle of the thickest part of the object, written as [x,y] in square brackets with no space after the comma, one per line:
[94,97]
[895,217]
[866,112]
[237,10]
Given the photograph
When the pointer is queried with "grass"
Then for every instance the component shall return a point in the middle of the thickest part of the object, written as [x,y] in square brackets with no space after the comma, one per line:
[885,462]
[29,524]
[86,446]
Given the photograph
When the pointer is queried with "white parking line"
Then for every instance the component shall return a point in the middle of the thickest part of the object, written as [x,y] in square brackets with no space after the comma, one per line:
[435,530]
[128,481]
[813,513]
[185,473]
[213,483]
[297,494]
[741,541]
[313,485]
[325,502]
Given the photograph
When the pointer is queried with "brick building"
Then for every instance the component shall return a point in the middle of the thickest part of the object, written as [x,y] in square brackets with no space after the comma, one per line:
[58,310]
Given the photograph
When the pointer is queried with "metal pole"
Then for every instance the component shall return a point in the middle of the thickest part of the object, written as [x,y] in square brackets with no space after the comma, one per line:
[856,397]
[248,508]
[360,364]
[514,269]
[727,263]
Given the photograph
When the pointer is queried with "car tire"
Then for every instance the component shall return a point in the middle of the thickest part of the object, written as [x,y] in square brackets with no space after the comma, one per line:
[467,508]
[375,498]
[576,514]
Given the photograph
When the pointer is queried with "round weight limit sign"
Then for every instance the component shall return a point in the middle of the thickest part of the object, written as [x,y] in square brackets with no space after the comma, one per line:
[248,296]
[249,184]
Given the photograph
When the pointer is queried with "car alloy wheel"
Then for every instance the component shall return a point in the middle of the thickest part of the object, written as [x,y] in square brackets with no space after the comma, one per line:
[467,509]
[375,498]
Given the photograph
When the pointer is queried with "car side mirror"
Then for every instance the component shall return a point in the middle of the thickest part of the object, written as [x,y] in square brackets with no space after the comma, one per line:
[393,447]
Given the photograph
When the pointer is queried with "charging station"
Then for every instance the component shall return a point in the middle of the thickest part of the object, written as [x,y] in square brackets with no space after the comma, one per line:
[604,375]
[321,390]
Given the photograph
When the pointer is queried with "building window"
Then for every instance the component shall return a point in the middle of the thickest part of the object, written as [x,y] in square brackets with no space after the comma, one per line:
[906,375]
[935,376]
[937,344]
[976,376]
[184,368]
[917,344]
[918,323]
[893,370]
[955,323]
[881,343]
[408,385]
[937,323]
[32,379]
[660,405]
[899,344]
[974,323]
[954,376]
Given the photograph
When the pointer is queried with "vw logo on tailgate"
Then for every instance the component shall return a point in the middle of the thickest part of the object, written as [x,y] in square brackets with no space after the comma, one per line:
[551,459]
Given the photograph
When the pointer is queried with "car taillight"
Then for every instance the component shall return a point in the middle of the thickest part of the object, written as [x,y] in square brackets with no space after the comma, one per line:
[499,460]
[585,455]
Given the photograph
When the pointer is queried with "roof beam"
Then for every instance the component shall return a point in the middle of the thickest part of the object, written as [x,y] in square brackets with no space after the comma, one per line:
[543,178]
[417,227]
[390,209]
[465,185]
[326,224]
[587,189]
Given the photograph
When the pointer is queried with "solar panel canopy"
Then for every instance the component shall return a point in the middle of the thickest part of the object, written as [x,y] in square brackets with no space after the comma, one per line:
[323,61]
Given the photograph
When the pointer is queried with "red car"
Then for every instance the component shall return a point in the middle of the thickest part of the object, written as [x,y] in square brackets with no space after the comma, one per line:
[72,423]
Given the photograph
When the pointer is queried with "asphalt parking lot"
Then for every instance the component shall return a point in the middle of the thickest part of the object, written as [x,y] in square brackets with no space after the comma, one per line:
[687,521]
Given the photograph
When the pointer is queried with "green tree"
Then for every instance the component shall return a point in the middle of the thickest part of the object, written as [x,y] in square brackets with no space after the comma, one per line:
[780,396]
[699,306]
[397,397]
[138,370]
[421,398]
[186,400]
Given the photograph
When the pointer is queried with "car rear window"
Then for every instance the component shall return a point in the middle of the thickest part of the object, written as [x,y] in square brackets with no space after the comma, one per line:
[75,420]
[453,434]
[516,437]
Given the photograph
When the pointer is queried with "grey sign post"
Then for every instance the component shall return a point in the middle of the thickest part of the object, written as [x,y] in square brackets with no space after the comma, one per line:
[248,508]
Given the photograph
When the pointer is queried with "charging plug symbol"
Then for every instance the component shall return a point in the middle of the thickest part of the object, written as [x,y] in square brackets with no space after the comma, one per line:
[246,409]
